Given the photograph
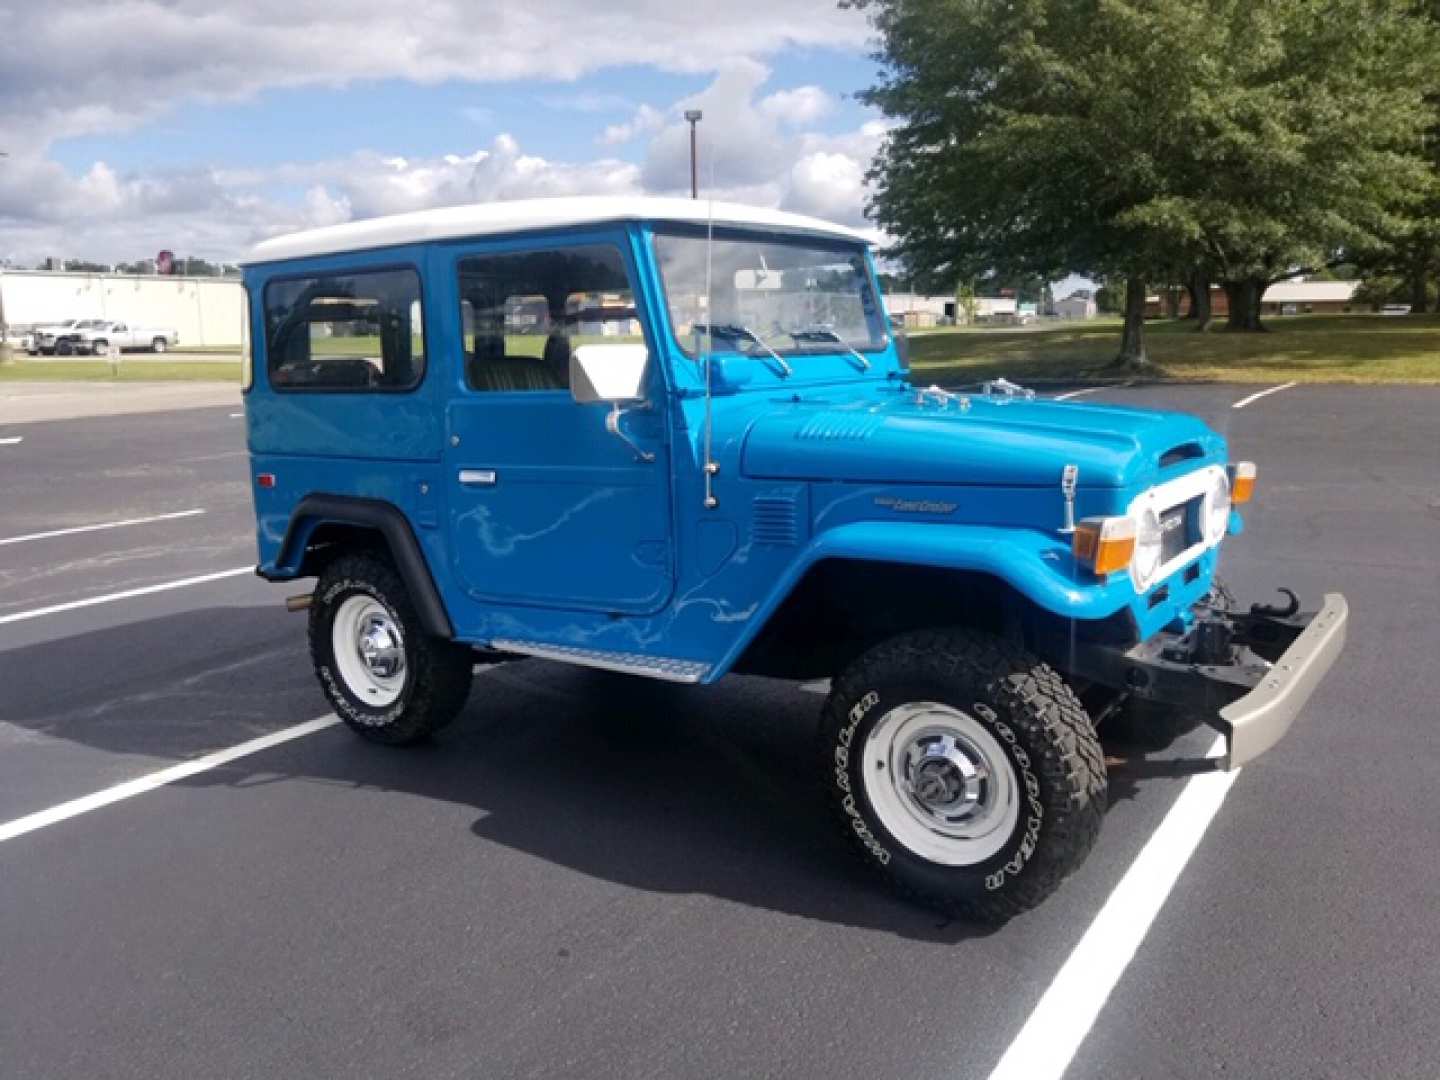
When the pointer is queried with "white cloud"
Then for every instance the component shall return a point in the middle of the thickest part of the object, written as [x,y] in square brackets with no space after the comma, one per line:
[141,57]
[739,146]
[803,105]
[827,185]
[644,121]
[757,143]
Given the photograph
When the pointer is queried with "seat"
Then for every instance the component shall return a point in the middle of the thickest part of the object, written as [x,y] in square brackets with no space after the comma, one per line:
[490,369]
[557,359]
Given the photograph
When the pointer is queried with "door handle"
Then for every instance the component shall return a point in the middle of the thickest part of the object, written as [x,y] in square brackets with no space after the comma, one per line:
[478,477]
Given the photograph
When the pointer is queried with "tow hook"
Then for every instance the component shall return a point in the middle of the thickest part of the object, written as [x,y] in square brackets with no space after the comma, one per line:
[1276,611]
[298,603]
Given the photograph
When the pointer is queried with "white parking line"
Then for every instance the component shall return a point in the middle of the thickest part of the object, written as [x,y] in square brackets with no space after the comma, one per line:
[1067,1011]
[83,805]
[1263,393]
[1078,393]
[99,526]
[108,598]
[12,440]
[237,416]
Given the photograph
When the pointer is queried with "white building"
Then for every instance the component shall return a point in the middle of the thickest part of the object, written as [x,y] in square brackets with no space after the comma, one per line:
[913,310]
[1075,307]
[202,311]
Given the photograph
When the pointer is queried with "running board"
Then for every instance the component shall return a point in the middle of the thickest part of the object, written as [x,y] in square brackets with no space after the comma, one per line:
[654,667]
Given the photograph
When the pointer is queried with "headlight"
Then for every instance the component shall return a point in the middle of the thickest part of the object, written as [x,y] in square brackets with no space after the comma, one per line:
[1148,546]
[1215,509]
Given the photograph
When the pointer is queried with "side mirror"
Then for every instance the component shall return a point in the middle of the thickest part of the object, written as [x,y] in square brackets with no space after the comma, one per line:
[613,373]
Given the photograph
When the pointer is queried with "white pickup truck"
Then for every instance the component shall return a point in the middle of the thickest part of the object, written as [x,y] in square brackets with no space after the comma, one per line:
[41,339]
[99,336]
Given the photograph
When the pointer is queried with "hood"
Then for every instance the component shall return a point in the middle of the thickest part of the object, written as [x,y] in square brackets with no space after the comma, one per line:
[996,441]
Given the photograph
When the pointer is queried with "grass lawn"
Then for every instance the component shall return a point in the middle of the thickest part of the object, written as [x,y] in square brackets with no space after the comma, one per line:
[1308,348]
[130,371]
[1313,348]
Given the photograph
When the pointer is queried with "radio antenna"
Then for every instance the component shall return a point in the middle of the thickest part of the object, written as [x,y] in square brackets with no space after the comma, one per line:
[712,467]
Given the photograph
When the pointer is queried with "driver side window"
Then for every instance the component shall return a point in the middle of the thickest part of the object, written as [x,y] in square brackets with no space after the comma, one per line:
[523,313]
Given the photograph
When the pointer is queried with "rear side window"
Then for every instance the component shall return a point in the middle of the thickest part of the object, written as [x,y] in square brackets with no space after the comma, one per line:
[522,314]
[362,331]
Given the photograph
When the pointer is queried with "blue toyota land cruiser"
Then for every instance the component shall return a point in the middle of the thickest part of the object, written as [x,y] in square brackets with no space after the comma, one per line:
[677,439]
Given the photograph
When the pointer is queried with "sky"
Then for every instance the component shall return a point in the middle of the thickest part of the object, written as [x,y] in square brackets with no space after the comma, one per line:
[135,125]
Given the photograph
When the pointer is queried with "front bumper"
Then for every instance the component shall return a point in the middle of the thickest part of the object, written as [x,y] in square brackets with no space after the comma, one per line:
[1246,674]
[1257,721]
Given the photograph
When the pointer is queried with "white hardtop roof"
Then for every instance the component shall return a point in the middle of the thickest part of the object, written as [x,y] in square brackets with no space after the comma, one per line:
[488,219]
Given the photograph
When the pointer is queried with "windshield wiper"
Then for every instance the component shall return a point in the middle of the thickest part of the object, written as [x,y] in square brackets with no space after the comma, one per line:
[823,333]
[736,332]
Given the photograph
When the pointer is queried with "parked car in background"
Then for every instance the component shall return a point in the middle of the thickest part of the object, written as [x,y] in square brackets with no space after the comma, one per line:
[96,336]
[1395,309]
[42,339]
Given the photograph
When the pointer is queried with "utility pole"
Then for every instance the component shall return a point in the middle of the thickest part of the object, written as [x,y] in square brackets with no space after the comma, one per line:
[693,116]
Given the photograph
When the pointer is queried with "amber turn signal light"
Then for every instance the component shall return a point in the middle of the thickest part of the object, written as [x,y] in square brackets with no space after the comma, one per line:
[1105,544]
[1242,482]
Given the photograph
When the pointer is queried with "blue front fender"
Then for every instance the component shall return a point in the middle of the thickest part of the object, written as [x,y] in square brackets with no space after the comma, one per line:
[1037,565]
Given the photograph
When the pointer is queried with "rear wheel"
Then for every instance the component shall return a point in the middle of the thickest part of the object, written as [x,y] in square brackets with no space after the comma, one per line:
[64,348]
[964,770]
[385,677]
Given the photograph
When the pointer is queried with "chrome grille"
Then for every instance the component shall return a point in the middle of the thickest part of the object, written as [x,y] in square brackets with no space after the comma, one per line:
[1179,528]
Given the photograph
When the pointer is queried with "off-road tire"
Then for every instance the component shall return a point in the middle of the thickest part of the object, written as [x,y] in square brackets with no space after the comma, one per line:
[437,672]
[1037,721]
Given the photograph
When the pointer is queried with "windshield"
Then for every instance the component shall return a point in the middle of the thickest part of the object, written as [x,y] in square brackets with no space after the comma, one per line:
[791,296]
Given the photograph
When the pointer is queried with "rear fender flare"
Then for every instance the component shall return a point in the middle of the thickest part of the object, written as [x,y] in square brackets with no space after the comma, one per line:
[391,524]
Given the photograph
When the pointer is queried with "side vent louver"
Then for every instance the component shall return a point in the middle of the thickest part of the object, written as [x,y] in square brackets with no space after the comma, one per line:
[775,521]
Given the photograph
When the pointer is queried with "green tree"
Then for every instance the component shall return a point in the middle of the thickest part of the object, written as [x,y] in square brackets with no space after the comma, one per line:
[967,306]
[1125,138]
[1407,269]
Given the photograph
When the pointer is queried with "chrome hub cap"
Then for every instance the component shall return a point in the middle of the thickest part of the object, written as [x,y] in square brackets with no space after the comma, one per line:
[380,648]
[369,650]
[941,784]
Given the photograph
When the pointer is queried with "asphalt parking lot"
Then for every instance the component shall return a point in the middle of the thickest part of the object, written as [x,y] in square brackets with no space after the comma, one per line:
[595,877]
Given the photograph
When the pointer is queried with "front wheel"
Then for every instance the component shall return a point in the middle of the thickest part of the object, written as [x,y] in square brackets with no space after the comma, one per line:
[964,770]
[159,345]
[98,348]
[384,676]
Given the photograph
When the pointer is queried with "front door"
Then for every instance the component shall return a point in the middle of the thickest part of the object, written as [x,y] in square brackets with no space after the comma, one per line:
[546,506]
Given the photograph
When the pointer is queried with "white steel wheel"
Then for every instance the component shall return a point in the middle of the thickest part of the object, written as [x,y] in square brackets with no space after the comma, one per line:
[941,784]
[369,650]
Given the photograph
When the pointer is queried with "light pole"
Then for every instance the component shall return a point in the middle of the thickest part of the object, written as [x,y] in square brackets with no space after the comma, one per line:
[693,116]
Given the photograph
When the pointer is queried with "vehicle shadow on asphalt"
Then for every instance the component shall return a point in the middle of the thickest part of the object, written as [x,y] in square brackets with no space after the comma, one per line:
[653,786]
